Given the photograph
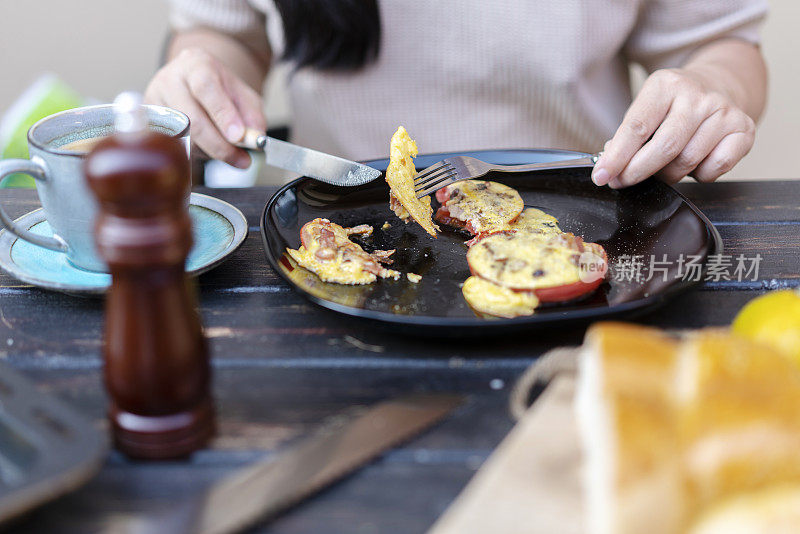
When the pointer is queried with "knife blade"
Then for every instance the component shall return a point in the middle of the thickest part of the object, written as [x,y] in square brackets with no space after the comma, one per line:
[258,492]
[312,163]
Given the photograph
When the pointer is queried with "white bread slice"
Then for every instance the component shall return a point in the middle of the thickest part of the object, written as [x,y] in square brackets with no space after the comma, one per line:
[632,478]
[739,406]
[673,431]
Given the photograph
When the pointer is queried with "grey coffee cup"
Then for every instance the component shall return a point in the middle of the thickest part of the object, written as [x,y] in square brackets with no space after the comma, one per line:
[68,204]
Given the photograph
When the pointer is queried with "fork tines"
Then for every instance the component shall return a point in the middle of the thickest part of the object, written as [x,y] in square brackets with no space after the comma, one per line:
[435,168]
[429,180]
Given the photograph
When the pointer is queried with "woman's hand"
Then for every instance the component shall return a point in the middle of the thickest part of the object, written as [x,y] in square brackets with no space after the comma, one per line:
[682,122]
[219,104]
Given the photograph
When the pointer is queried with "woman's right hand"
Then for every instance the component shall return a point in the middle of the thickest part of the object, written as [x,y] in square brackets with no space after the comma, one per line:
[219,104]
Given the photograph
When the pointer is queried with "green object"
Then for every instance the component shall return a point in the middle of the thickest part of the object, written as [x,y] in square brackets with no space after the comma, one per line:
[45,96]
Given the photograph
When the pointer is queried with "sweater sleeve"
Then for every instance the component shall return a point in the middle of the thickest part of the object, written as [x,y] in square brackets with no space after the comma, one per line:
[668,31]
[236,17]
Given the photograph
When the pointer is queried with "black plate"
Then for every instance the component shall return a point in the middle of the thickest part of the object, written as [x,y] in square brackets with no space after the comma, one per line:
[648,219]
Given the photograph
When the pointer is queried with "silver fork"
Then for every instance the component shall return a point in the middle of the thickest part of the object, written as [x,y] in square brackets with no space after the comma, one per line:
[455,169]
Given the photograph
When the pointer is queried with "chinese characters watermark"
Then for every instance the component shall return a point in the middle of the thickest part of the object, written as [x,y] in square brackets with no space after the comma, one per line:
[688,267]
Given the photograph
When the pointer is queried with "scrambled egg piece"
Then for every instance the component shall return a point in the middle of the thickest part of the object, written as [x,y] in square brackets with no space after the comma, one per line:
[478,205]
[413,277]
[491,299]
[400,177]
[531,220]
[328,252]
[535,221]
[352,295]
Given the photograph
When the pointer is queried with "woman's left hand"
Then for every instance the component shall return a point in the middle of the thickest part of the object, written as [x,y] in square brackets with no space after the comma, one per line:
[680,124]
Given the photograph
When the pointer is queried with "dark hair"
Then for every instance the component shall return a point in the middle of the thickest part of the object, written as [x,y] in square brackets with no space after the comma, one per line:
[332,35]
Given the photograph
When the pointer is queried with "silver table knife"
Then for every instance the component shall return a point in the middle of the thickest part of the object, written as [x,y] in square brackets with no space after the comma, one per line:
[345,443]
[312,163]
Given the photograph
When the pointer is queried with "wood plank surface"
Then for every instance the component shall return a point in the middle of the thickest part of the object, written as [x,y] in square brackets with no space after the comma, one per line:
[282,365]
[254,329]
[523,491]
[745,202]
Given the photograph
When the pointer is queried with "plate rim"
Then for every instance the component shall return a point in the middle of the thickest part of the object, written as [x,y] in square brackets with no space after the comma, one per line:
[228,211]
[715,246]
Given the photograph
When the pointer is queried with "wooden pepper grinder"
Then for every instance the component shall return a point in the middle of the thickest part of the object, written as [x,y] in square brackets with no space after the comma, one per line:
[156,360]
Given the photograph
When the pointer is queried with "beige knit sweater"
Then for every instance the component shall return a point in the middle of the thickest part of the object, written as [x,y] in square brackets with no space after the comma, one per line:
[474,74]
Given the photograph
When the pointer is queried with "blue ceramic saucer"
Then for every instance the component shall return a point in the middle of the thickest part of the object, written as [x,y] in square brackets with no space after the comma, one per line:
[218,230]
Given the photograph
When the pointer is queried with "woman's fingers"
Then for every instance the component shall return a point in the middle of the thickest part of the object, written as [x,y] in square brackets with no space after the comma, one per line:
[219,105]
[208,137]
[667,143]
[695,130]
[247,101]
[707,136]
[174,93]
[725,155]
[643,117]
[202,76]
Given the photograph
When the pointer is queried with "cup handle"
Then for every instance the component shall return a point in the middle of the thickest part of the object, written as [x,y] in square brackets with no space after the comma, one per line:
[37,171]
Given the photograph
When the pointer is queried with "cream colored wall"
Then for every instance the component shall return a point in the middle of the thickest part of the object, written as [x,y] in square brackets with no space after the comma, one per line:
[778,135]
[778,140]
[101,47]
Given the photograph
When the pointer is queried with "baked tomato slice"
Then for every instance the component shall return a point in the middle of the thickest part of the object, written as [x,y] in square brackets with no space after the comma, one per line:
[555,268]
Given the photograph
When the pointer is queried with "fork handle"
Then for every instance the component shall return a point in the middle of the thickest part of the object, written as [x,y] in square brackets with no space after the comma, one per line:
[586,161]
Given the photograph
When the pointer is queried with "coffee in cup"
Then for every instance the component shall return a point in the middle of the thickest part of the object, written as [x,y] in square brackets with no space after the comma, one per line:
[82,146]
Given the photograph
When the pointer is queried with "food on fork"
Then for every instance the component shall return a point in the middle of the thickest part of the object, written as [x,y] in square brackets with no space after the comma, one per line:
[478,206]
[556,268]
[400,176]
[694,435]
[327,251]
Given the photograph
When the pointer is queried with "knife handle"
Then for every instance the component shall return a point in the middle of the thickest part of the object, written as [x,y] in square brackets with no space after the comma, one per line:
[253,140]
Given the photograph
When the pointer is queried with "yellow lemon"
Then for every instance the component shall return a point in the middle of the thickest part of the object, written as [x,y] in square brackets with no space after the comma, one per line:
[773,319]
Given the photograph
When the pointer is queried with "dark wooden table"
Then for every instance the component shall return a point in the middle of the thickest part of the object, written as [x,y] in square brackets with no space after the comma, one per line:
[281,365]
